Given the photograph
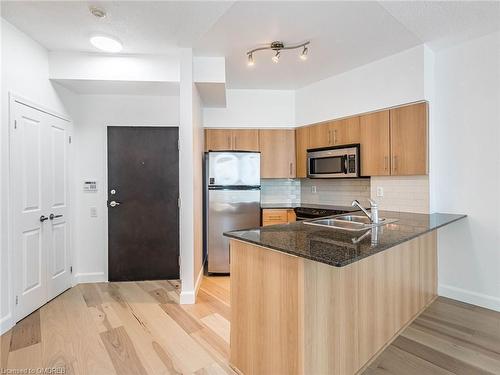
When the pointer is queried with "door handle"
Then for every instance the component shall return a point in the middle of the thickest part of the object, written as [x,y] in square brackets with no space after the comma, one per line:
[114,204]
[52,216]
[43,218]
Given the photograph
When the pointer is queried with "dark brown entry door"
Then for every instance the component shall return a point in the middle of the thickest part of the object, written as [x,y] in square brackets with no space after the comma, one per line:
[143,221]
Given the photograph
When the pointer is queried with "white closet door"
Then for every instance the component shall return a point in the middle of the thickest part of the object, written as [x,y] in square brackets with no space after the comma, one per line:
[58,267]
[39,175]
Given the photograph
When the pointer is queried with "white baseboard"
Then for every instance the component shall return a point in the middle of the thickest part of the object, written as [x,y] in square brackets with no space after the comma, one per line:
[474,298]
[6,323]
[199,279]
[187,297]
[90,277]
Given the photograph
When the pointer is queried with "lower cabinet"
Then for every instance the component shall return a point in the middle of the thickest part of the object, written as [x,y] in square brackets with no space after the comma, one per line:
[273,216]
[291,315]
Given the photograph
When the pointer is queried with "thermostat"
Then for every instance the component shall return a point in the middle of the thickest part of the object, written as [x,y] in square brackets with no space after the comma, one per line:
[89,186]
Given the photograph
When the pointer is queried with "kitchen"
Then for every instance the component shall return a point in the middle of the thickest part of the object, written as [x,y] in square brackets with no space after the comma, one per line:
[401,118]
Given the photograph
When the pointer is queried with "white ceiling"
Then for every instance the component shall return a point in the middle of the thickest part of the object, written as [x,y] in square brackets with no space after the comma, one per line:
[343,35]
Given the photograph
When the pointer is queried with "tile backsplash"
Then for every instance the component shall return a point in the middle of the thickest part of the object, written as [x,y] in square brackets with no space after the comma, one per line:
[336,192]
[280,191]
[402,193]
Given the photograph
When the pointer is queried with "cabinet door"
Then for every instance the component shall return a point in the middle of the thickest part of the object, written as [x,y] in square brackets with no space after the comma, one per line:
[320,136]
[277,159]
[345,131]
[375,146]
[301,145]
[246,139]
[218,140]
[408,127]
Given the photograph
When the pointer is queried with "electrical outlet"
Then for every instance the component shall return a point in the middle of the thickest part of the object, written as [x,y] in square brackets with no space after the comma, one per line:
[313,189]
[93,211]
[380,191]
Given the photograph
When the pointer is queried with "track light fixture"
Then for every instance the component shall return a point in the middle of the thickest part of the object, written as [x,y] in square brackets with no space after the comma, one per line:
[278,47]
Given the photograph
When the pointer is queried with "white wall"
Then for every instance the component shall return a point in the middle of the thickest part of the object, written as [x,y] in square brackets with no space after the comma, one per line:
[253,108]
[393,80]
[24,72]
[93,113]
[466,166]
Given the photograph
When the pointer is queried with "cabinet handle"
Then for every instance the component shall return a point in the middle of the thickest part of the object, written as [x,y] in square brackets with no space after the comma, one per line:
[234,143]
[386,163]
[395,162]
[329,137]
[335,137]
[228,142]
[291,169]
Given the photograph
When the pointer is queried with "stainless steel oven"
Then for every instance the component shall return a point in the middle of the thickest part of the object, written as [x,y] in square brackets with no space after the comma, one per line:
[334,162]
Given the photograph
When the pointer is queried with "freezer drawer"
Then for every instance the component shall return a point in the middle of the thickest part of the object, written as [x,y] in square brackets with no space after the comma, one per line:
[228,210]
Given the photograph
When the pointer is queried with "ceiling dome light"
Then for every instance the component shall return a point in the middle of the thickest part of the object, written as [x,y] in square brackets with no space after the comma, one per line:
[105,43]
[250,60]
[303,55]
[276,58]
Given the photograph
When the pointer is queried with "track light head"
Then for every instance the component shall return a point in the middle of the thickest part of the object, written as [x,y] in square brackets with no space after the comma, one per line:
[250,62]
[276,57]
[303,55]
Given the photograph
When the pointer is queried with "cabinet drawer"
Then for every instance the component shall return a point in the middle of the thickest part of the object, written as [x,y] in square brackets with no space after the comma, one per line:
[273,217]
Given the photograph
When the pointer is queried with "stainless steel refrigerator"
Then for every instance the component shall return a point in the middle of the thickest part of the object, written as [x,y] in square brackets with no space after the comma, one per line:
[232,201]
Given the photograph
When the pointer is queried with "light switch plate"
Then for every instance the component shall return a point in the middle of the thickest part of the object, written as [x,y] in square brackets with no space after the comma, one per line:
[313,189]
[380,191]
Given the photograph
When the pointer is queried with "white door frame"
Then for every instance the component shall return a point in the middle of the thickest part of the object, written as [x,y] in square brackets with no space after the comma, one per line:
[13,282]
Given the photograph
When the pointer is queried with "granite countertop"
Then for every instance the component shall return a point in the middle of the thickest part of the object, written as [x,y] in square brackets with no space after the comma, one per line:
[336,247]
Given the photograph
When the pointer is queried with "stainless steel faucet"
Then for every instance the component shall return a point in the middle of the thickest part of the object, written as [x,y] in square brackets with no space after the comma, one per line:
[373,214]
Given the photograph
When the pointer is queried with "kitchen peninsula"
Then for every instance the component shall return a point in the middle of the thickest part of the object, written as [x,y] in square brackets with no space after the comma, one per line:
[313,300]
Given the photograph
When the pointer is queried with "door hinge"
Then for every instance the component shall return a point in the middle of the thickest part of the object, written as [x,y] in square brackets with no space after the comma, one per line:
[15,124]
[179,202]
[69,138]
[17,300]
[70,269]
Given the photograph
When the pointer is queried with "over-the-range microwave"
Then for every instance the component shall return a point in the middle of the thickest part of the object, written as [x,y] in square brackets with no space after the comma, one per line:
[333,162]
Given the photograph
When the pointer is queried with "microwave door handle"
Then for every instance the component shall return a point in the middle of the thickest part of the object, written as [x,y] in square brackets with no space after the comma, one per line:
[345,163]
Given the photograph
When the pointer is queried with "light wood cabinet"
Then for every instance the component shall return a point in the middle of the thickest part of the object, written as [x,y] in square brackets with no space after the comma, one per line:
[306,331]
[277,159]
[301,146]
[334,133]
[218,140]
[394,142]
[345,131]
[273,216]
[320,135]
[231,139]
[375,144]
[408,126]
[246,139]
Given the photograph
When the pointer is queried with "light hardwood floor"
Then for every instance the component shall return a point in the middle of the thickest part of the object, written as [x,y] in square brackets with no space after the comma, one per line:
[139,328]
[125,328]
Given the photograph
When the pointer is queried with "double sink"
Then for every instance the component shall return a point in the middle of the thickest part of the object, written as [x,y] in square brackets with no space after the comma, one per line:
[352,223]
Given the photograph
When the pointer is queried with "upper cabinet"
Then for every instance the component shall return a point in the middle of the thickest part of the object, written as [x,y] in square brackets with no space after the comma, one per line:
[409,140]
[375,144]
[231,139]
[394,142]
[277,159]
[334,133]
[301,146]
